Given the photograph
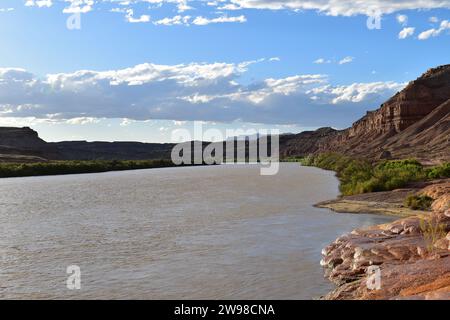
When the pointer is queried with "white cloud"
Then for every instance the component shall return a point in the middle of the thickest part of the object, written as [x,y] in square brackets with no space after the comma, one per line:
[337,7]
[130,17]
[82,120]
[79,6]
[402,19]
[126,122]
[322,61]
[346,60]
[39,3]
[176,20]
[445,25]
[201,21]
[196,91]
[358,92]
[406,32]
[434,19]
[328,7]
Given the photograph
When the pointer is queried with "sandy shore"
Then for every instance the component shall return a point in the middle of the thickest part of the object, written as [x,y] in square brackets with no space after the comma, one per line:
[387,203]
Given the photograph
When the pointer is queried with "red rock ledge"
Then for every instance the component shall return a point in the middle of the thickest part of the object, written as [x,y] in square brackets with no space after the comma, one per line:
[411,267]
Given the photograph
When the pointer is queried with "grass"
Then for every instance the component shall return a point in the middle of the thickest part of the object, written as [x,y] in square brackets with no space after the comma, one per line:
[361,176]
[75,167]
[292,159]
[432,230]
[418,202]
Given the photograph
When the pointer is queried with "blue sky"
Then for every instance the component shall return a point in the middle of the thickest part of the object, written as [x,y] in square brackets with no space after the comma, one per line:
[137,70]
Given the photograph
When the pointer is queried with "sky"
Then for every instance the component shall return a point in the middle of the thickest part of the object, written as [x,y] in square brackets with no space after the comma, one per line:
[140,69]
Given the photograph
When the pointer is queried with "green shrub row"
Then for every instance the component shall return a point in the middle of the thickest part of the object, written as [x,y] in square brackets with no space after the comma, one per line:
[361,176]
[73,167]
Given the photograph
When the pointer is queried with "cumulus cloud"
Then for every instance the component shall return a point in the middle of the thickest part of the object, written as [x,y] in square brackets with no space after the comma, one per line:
[402,19]
[196,91]
[328,7]
[444,26]
[79,6]
[346,60]
[132,19]
[322,61]
[38,3]
[406,32]
[201,21]
[337,8]
[176,20]
[82,120]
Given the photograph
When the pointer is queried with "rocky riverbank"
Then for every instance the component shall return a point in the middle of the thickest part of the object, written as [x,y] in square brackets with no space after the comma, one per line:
[413,255]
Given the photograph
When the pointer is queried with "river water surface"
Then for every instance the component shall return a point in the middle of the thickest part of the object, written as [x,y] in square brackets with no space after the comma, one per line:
[221,232]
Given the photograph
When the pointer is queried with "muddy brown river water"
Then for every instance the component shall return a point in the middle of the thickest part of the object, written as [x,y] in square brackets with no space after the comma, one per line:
[221,232]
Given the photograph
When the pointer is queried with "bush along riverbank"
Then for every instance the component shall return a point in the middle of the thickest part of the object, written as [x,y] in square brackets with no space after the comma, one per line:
[361,176]
[389,187]
[76,167]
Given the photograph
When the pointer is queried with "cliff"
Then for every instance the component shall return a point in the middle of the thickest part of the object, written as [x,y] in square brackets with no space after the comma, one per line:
[22,138]
[413,123]
[304,143]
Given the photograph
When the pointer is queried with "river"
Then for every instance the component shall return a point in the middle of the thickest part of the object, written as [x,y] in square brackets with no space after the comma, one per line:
[220,232]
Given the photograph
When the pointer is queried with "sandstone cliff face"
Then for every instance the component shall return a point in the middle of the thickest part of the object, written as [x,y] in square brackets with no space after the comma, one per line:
[424,106]
[407,107]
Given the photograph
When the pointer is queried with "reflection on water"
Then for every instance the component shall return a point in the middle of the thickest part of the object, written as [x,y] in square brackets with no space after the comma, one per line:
[221,232]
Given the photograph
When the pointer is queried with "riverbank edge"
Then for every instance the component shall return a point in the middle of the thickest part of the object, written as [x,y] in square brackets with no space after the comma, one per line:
[68,167]
[367,207]
[409,268]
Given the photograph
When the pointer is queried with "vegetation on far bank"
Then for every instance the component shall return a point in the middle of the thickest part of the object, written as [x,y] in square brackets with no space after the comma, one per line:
[361,176]
[75,167]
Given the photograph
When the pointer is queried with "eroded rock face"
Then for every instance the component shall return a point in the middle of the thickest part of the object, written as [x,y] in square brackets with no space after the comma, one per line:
[440,192]
[407,125]
[410,268]
[413,103]
[420,98]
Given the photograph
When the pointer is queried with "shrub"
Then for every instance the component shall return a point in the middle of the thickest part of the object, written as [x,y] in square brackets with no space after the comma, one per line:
[442,171]
[418,202]
[432,230]
[361,176]
[73,167]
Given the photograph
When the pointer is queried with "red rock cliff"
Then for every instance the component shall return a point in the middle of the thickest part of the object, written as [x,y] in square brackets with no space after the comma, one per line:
[379,132]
